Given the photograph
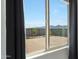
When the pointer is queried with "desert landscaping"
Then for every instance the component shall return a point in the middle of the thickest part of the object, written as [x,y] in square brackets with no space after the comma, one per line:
[38,43]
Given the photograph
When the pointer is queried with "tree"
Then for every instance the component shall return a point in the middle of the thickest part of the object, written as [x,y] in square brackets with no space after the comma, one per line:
[34,31]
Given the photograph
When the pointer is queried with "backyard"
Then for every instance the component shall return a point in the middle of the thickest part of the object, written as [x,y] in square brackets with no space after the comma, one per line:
[38,43]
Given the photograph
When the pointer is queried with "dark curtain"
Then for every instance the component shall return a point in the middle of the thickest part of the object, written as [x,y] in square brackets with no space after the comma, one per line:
[73,52]
[15,41]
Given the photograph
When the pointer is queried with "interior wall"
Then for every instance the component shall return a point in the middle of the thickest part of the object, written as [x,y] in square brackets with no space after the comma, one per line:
[3,29]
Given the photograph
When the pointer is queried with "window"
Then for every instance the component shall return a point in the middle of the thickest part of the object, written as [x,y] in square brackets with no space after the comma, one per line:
[59,20]
[34,25]
[46,25]
[15,41]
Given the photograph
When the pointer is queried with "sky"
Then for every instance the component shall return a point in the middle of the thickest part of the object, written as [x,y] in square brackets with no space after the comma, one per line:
[34,13]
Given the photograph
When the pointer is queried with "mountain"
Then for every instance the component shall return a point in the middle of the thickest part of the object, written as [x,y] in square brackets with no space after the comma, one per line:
[54,27]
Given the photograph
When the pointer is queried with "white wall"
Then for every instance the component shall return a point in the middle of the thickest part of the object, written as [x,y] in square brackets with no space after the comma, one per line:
[3,29]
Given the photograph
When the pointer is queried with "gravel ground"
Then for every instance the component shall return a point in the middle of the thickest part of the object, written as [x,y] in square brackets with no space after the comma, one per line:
[38,43]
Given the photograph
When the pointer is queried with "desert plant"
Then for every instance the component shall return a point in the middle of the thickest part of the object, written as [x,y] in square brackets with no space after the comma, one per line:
[34,31]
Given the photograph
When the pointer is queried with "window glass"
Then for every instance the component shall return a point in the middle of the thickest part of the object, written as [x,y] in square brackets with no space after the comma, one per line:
[34,15]
[58,23]
[46,25]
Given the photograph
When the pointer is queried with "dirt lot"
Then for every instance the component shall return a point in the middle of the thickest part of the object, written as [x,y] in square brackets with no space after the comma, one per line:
[38,43]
